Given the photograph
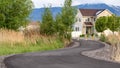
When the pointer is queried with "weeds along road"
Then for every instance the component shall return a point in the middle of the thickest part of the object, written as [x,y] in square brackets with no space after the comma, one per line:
[63,58]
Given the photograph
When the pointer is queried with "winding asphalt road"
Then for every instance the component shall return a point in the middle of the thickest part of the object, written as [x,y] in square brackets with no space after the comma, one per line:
[63,58]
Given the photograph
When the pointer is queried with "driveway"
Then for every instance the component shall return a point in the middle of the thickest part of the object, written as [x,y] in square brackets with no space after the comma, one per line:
[63,58]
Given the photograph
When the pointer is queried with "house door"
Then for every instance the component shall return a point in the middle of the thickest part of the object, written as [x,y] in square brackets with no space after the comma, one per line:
[88,30]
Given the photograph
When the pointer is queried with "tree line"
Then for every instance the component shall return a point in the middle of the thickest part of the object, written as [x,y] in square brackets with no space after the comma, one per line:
[15,13]
[108,22]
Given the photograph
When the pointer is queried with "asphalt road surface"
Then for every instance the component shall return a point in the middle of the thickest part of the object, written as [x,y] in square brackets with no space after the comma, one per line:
[63,58]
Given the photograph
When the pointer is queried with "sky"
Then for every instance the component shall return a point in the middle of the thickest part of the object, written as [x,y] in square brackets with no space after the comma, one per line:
[59,3]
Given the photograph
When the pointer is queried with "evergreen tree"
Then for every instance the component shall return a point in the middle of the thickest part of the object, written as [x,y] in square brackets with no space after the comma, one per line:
[59,26]
[47,25]
[67,19]
[2,20]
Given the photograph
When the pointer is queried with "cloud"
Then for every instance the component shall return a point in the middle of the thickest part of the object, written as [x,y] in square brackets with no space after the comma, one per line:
[41,3]
[112,2]
[76,2]
[57,3]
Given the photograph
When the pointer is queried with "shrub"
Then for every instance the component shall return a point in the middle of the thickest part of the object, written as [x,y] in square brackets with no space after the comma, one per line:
[82,35]
[103,38]
[100,24]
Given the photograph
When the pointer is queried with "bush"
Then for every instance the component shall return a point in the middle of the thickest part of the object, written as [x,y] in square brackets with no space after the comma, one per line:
[103,38]
[100,24]
[82,35]
[92,34]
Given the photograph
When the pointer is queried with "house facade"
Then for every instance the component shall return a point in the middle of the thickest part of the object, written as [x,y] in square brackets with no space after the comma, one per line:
[85,20]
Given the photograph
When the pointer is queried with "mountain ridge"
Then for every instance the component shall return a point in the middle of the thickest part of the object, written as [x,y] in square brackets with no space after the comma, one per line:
[36,14]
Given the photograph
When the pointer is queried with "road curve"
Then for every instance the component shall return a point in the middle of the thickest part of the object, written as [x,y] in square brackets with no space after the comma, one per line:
[63,58]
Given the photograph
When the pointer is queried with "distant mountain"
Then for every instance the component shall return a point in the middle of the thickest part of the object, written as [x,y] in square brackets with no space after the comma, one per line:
[113,9]
[36,14]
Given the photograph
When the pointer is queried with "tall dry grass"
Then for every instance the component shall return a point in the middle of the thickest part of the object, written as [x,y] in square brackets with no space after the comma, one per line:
[11,36]
[12,42]
[114,40]
[26,38]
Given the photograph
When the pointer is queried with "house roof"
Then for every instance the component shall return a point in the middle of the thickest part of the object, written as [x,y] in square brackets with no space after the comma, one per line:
[90,12]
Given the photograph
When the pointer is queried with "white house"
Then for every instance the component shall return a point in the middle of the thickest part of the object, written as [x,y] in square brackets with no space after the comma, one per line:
[85,20]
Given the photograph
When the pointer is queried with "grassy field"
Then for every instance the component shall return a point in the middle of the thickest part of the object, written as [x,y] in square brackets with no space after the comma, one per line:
[12,42]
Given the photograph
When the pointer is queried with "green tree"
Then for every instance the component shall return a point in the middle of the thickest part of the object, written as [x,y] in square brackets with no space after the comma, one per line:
[113,23]
[59,26]
[100,24]
[47,25]
[14,13]
[67,19]
[2,20]
[119,24]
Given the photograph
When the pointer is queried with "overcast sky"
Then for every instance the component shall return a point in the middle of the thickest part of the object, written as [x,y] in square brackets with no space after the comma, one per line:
[57,3]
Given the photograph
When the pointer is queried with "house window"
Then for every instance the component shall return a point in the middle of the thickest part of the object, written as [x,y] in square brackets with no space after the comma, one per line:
[79,20]
[76,28]
[88,19]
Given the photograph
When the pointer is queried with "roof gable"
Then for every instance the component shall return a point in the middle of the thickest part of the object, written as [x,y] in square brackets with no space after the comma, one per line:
[105,10]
